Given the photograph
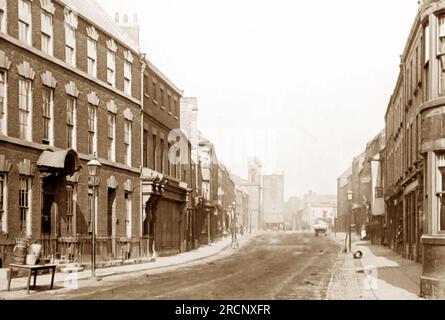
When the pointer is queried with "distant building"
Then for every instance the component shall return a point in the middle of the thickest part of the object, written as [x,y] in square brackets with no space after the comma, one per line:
[242,209]
[273,201]
[319,207]
[253,188]
[291,216]
[344,184]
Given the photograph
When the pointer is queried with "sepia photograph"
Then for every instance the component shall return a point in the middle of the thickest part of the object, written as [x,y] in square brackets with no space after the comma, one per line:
[245,151]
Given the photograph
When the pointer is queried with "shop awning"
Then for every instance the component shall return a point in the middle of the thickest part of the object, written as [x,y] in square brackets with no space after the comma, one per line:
[66,161]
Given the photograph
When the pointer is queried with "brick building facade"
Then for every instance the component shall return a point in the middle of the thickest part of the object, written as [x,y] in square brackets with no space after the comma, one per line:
[413,159]
[70,92]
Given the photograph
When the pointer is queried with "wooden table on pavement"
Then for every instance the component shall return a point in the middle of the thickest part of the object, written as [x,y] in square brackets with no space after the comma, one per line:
[32,271]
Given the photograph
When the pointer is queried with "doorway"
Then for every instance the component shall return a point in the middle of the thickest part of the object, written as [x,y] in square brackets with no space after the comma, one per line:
[111,208]
[48,201]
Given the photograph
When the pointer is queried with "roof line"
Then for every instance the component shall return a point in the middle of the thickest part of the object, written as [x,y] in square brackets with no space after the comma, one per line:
[164,77]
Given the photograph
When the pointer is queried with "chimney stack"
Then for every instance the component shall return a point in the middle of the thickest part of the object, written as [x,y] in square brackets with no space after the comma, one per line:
[130,28]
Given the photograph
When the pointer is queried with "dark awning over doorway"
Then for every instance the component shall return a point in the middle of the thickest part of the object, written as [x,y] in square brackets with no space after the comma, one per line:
[65,161]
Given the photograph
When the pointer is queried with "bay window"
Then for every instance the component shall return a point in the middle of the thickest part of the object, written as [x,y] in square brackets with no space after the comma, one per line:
[25,109]
[25,21]
[47,33]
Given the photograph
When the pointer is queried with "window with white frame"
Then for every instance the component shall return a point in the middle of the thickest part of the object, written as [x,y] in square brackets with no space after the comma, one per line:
[25,21]
[3,16]
[111,68]
[111,136]
[24,202]
[70,45]
[127,77]
[3,103]
[70,207]
[92,128]
[3,200]
[25,109]
[71,119]
[47,33]
[92,57]
[127,142]
[48,115]
[128,213]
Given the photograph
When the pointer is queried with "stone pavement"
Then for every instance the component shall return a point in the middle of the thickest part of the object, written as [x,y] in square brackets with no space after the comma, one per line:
[63,281]
[381,274]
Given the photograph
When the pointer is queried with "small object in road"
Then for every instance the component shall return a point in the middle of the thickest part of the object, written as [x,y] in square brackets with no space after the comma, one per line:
[358,254]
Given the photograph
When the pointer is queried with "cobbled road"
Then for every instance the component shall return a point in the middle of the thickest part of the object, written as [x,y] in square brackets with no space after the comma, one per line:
[283,266]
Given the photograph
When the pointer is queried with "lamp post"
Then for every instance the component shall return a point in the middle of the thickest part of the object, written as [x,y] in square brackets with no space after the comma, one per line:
[349,218]
[234,226]
[94,175]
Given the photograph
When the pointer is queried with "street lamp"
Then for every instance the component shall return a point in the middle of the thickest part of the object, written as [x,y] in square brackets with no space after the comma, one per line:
[349,218]
[234,226]
[94,167]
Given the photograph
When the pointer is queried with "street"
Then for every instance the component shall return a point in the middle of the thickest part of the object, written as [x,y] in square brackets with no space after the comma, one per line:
[282,266]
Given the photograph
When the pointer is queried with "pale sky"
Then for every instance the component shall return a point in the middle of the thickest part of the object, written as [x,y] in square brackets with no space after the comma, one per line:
[302,84]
